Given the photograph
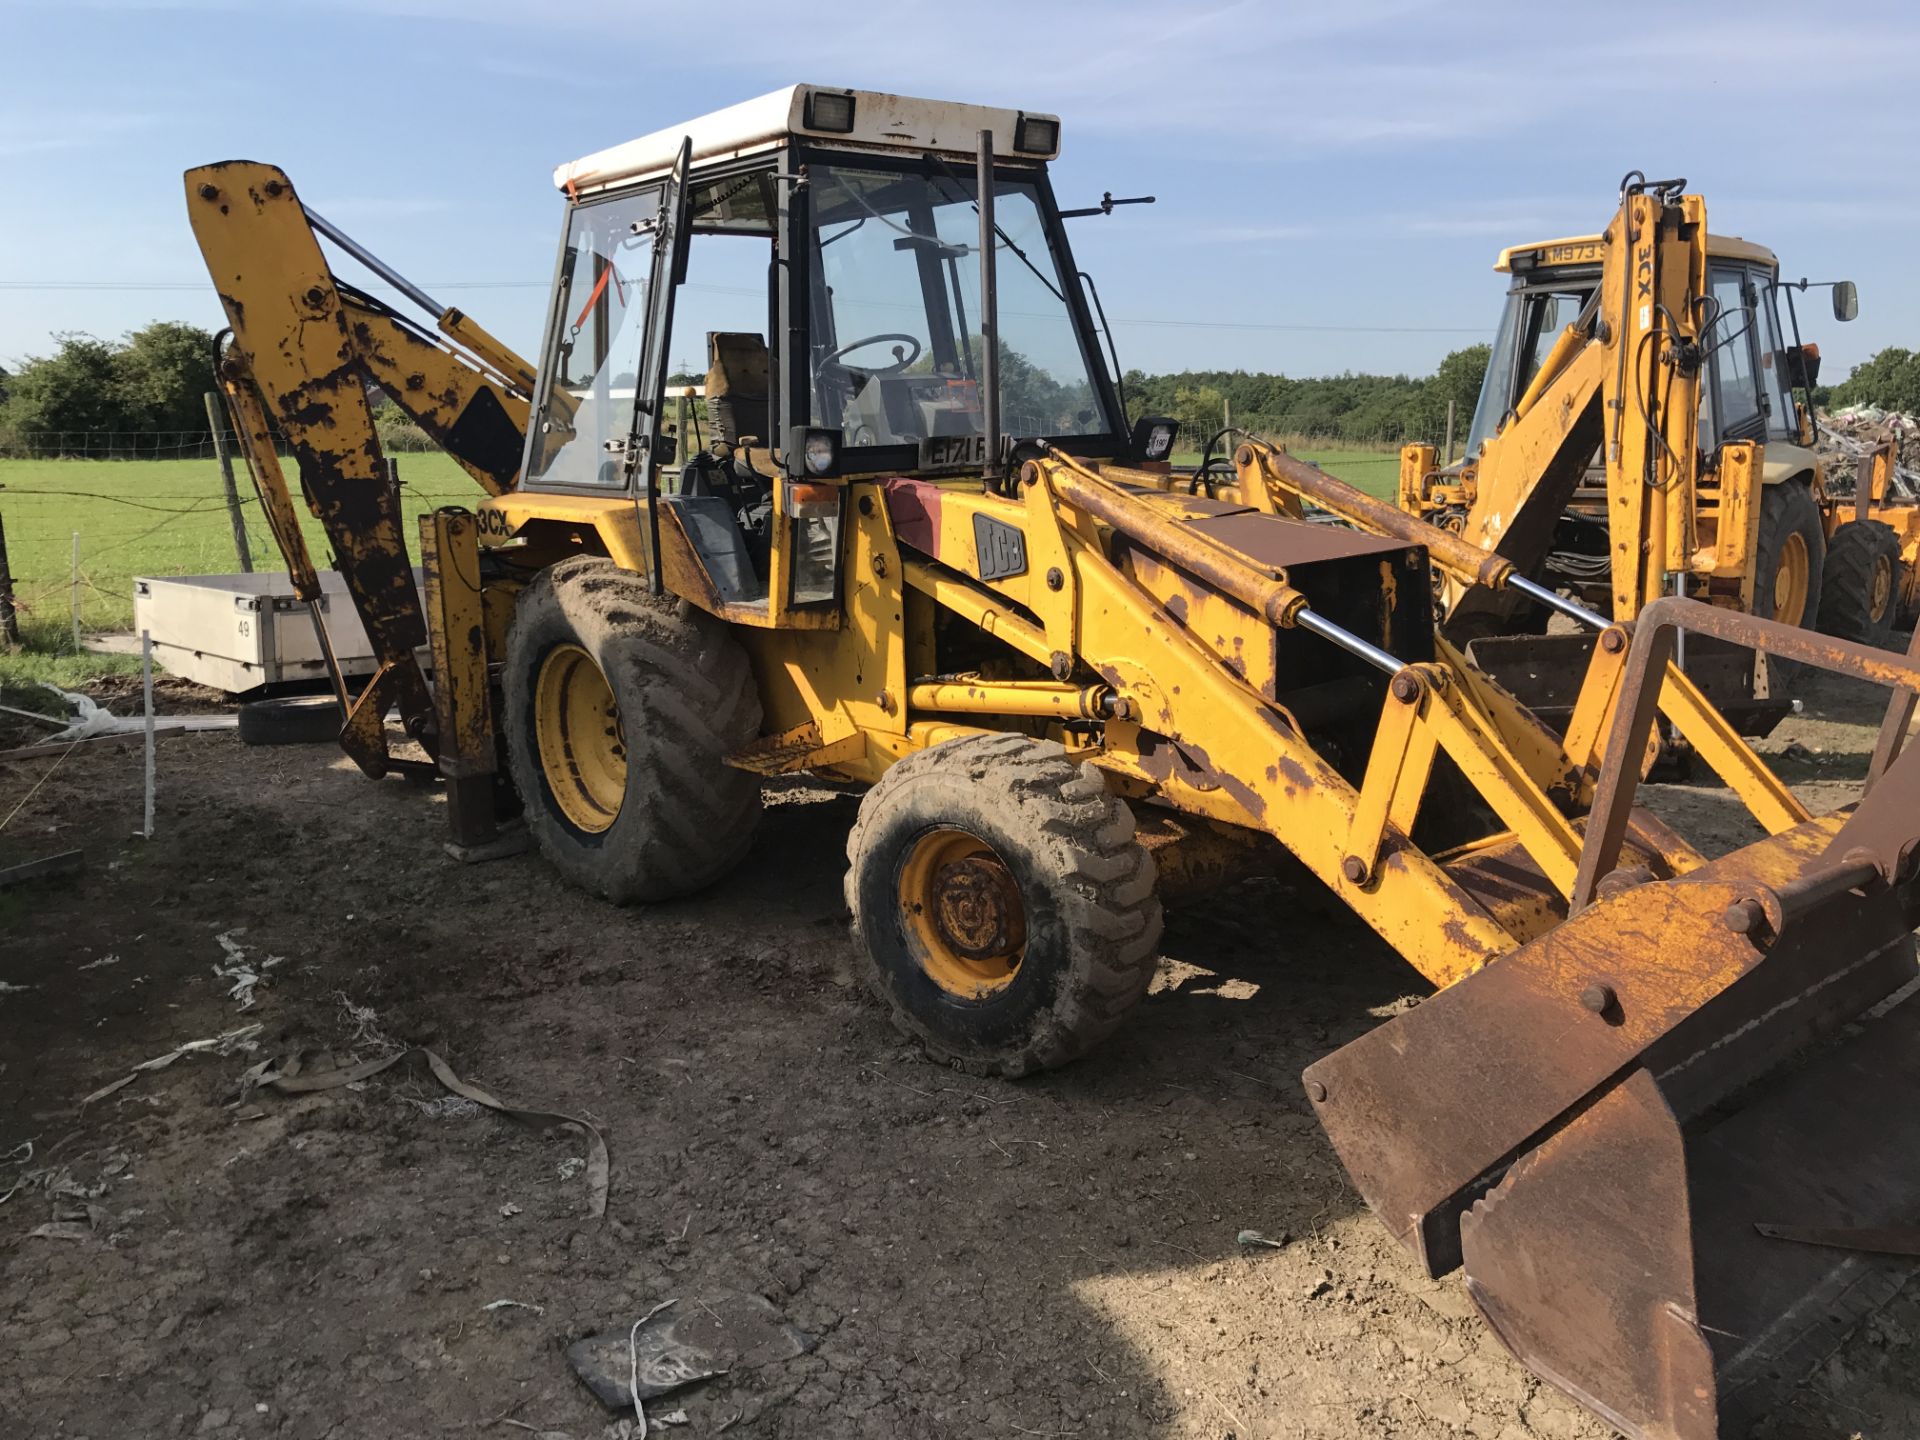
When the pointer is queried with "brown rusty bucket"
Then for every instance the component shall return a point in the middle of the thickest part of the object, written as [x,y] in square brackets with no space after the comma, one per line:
[1599,1150]
[1674,1142]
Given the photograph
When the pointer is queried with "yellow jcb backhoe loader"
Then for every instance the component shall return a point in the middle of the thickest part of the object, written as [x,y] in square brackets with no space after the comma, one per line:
[1638,434]
[924,552]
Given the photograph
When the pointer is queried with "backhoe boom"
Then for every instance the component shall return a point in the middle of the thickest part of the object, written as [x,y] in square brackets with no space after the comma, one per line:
[307,349]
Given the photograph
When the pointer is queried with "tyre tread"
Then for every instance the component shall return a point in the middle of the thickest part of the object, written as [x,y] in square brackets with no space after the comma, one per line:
[1111,907]
[697,703]
[1846,592]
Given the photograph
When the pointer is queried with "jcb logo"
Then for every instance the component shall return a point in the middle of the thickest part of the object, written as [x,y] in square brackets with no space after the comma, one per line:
[999,549]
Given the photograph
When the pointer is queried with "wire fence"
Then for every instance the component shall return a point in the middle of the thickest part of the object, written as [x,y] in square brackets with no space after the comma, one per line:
[1298,431]
[118,445]
[147,517]
[78,535]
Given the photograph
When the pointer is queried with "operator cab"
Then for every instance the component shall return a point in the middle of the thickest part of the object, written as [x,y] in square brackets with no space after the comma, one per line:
[818,251]
[1752,362]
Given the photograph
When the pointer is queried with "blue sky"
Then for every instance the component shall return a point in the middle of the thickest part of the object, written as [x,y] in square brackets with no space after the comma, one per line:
[1333,179]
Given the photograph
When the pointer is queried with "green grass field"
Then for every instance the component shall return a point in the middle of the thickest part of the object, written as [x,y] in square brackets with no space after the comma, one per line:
[168,517]
[139,517]
[1371,468]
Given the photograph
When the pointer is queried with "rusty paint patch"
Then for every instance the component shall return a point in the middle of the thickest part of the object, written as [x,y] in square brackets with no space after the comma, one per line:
[914,508]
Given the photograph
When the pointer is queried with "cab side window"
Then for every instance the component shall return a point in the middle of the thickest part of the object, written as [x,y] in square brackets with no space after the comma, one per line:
[1731,373]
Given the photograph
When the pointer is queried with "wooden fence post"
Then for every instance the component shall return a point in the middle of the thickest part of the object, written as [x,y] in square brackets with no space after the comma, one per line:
[73,593]
[9,620]
[216,416]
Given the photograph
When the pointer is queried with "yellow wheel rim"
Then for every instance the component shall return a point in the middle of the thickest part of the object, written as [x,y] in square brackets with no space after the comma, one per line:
[583,750]
[1790,580]
[1880,593]
[962,912]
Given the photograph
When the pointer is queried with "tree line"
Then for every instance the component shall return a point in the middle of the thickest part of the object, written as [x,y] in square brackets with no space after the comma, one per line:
[1362,409]
[148,386]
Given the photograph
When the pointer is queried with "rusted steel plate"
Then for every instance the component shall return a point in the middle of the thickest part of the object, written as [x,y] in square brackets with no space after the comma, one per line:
[1428,1110]
[1624,1261]
[1582,1266]
[1883,823]
[1275,540]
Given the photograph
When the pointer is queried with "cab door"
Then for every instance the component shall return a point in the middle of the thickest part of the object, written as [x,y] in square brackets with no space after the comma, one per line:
[1739,411]
[648,450]
[585,406]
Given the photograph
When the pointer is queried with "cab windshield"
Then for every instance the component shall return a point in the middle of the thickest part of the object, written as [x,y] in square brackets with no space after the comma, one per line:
[895,347]
[1536,313]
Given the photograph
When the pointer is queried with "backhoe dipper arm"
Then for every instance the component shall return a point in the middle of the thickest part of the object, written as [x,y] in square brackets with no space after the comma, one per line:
[309,347]
[1623,376]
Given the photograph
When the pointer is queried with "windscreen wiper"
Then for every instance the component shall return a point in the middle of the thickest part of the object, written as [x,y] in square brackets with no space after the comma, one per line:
[1005,238]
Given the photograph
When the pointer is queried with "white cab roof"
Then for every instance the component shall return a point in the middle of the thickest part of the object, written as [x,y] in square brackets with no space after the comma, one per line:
[880,121]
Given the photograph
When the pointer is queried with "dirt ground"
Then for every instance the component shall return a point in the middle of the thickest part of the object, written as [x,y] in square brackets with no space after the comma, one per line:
[1051,1258]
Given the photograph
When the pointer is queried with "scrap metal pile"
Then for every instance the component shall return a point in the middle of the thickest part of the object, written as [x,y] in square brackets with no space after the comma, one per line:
[1848,436]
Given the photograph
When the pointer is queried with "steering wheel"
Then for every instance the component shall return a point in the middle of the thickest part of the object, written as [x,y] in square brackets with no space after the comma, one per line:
[833,356]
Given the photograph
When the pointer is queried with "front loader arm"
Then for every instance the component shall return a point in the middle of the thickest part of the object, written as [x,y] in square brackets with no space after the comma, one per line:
[305,349]
[1607,1120]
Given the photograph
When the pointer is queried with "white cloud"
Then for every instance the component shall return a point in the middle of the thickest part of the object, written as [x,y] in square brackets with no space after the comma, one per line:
[39,133]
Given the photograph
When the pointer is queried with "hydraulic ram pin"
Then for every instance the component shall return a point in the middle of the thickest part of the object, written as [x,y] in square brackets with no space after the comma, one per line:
[374,263]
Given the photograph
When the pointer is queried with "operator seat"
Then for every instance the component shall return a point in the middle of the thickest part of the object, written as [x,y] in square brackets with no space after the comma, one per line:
[725,497]
[737,386]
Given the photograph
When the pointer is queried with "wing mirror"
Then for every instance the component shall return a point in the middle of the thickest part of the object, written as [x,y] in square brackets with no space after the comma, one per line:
[1846,300]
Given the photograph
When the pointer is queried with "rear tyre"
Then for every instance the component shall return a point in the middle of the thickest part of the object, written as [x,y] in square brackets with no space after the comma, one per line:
[1861,593]
[1789,565]
[290,720]
[621,707]
[1006,908]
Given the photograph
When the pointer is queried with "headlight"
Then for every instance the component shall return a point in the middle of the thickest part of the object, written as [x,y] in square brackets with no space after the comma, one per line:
[822,449]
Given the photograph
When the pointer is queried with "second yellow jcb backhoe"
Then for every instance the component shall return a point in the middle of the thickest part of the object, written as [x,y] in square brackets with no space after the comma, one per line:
[1644,430]
[924,552]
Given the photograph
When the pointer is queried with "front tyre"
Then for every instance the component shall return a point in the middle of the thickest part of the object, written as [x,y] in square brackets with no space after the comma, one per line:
[1006,909]
[620,708]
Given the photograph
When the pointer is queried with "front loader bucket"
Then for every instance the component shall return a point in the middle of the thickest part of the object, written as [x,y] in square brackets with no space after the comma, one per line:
[1595,1125]
[1623,1260]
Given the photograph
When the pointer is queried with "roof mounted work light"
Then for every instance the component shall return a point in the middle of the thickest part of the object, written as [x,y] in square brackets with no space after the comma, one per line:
[830,110]
[1036,134]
